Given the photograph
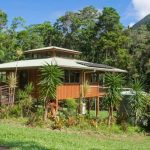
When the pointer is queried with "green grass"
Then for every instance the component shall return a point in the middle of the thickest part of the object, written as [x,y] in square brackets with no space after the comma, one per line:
[19,137]
[102,114]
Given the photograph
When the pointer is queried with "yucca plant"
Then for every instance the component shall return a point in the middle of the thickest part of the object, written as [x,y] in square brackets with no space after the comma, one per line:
[12,83]
[51,76]
[85,87]
[138,99]
[113,94]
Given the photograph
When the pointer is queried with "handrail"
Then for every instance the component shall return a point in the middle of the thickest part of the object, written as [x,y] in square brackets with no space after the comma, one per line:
[104,87]
[4,94]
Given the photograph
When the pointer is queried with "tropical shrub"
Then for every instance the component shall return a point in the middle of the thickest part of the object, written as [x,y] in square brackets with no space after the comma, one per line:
[4,111]
[113,94]
[51,77]
[71,121]
[139,101]
[14,111]
[58,123]
[12,83]
[71,105]
[25,100]
[35,120]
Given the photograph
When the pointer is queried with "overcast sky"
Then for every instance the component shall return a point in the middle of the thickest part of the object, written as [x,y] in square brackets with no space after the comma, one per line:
[38,11]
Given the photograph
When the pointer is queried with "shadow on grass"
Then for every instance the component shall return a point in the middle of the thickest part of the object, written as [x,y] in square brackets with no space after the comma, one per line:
[29,145]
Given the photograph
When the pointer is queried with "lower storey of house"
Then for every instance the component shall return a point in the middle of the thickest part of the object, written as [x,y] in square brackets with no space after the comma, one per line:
[72,87]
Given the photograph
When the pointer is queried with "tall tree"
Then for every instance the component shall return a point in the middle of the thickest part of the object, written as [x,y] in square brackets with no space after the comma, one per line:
[111,39]
[44,30]
[78,30]
[3,19]
[139,46]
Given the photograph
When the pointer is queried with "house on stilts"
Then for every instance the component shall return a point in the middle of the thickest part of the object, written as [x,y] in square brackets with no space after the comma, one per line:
[76,72]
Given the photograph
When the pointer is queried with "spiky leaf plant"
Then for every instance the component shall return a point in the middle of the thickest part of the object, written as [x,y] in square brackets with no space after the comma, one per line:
[51,76]
[113,94]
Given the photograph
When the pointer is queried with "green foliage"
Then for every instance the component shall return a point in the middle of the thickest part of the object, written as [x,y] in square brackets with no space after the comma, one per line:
[112,39]
[35,120]
[113,95]
[7,111]
[71,105]
[14,111]
[3,19]
[20,137]
[58,123]
[4,111]
[25,99]
[51,77]
[114,83]
[139,101]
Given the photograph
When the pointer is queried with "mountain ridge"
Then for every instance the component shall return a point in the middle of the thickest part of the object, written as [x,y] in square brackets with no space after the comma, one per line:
[143,21]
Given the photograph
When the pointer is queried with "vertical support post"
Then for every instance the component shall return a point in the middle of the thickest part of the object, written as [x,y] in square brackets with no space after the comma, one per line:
[97,106]
[88,106]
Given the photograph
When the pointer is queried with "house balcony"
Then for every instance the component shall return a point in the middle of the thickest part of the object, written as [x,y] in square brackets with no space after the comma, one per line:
[66,91]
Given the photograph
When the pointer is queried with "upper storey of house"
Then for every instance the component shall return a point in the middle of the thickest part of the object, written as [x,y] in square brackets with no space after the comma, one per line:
[51,51]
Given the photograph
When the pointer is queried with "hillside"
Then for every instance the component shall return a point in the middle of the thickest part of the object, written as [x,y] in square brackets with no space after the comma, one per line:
[143,21]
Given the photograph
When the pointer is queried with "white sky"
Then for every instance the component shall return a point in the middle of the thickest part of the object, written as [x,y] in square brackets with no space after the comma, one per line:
[141,7]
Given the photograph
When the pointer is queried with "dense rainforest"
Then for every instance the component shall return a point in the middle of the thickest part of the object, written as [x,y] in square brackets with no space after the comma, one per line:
[98,35]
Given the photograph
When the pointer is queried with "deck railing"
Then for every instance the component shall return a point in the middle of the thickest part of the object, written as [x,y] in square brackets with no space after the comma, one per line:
[5,96]
[103,89]
[74,91]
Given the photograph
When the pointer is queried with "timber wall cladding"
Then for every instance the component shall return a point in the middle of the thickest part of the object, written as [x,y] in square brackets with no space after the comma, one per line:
[34,79]
[93,91]
[68,91]
[74,91]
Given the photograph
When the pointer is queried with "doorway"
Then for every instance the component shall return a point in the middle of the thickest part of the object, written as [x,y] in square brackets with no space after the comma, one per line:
[23,79]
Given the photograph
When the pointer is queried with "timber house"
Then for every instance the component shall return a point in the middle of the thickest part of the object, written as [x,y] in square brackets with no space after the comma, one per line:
[76,72]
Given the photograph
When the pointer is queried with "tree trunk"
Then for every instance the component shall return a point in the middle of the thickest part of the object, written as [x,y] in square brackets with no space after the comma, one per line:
[45,111]
[97,106]
[136,114]
[109,116]
[45,107]
[88,107]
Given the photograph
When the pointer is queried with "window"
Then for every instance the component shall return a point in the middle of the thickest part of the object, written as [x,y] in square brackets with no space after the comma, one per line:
[64,55]
[66,78]
[2,76]
[71,76]
[102,79]
[35,56]
[94,77]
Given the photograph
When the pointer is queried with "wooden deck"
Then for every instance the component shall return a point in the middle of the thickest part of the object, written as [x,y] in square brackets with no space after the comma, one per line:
[74,91]
[64,91]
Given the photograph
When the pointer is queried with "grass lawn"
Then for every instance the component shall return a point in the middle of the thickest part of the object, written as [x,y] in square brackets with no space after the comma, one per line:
[19,137]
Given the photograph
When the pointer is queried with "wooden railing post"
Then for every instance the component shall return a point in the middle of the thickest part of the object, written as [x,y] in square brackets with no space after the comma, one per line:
[4,94]
[97,106]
